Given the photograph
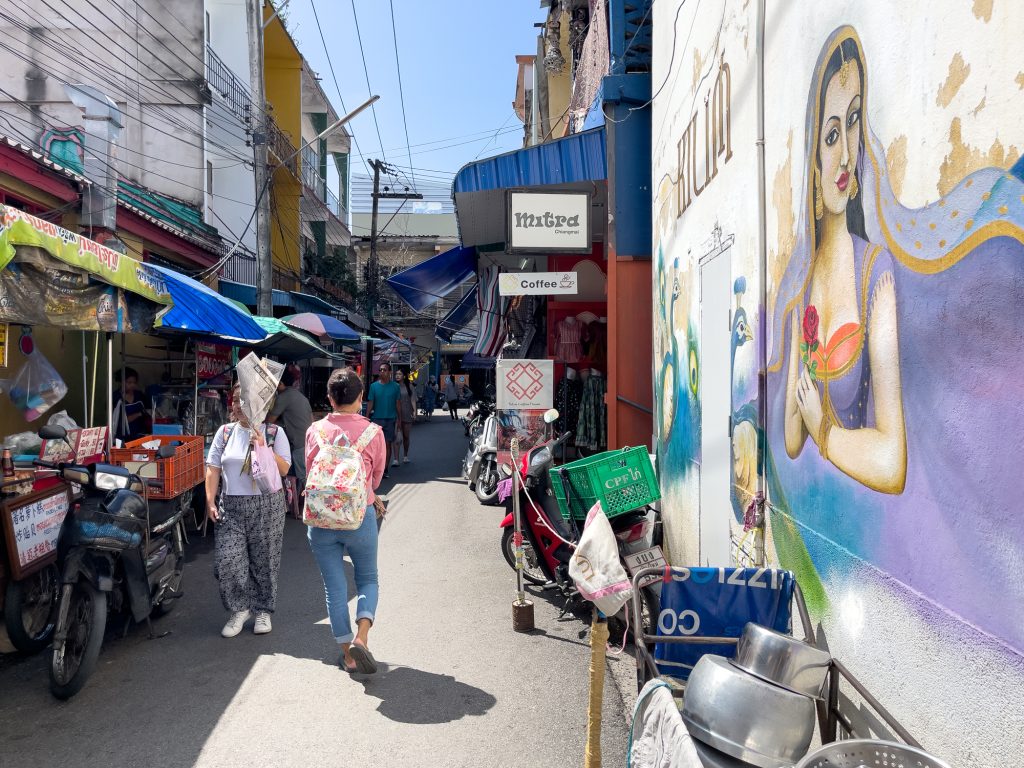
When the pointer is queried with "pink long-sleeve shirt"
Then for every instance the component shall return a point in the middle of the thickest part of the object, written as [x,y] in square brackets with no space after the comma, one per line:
[353,425]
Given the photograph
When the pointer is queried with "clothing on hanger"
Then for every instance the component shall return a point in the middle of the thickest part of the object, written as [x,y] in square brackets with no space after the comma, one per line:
[567,340]
[592,424]
[567,401]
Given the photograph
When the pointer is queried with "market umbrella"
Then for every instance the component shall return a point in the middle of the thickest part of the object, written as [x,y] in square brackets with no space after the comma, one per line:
[286,341]
[324,327]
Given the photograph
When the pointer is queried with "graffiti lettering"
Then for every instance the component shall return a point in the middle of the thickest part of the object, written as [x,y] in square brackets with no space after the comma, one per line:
[692,154]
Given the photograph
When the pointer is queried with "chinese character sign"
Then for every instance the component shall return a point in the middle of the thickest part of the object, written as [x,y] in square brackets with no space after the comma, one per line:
[525,384]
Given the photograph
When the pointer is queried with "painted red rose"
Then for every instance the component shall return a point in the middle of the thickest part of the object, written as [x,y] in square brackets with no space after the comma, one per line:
[810,325]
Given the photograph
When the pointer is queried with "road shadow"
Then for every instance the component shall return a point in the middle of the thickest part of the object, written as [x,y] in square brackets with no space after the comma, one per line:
[409,695]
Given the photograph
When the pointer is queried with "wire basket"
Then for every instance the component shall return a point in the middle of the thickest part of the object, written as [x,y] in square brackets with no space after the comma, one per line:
[621,480]
[92,527]
[869,753]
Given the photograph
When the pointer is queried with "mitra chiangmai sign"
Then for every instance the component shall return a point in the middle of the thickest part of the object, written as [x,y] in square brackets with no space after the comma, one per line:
[540,222]
[537,283]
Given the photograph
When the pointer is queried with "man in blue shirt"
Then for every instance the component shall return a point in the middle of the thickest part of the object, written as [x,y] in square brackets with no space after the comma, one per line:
[383,407]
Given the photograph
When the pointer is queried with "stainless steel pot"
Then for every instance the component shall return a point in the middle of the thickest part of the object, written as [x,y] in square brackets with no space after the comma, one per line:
[783,660]
[747,717]
[859,753]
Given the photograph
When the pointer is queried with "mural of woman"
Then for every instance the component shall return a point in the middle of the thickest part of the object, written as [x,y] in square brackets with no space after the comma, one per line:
[843,377]
[896,348]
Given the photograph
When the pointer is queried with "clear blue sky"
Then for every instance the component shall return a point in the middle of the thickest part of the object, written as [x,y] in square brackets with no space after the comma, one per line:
[458,70]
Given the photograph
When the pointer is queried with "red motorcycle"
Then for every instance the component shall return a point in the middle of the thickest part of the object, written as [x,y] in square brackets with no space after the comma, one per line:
[549,540]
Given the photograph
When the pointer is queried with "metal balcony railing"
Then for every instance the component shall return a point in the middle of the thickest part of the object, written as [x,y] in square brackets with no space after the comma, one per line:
[223,81]
[280,143]
[311,172]
[630,36]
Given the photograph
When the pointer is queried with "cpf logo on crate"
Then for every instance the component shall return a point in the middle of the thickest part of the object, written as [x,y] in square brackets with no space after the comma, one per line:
[525,384]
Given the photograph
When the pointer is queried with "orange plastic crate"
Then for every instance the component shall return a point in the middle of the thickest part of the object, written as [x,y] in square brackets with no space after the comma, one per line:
[166,478]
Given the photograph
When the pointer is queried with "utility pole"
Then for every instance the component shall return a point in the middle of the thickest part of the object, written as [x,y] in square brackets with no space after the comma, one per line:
[260,137]
[372,268]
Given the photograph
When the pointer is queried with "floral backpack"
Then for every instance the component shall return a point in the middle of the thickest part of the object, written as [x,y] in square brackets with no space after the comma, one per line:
[336,482]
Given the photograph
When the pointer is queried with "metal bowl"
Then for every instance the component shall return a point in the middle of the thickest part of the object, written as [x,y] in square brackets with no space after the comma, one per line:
[747,717]
[783,660]
[713,758]
[869,753]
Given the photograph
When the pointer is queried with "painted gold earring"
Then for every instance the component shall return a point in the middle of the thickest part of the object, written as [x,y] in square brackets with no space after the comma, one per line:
[854,187]
[819,203]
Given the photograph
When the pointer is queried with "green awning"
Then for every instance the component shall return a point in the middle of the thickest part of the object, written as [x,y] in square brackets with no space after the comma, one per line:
[287,342]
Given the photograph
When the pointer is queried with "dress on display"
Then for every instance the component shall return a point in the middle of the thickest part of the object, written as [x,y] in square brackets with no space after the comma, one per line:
[596,336]
[567,340]
[592,426]
[567,401]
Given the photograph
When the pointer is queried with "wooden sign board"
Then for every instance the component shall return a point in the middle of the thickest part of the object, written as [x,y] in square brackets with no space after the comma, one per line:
[31,527]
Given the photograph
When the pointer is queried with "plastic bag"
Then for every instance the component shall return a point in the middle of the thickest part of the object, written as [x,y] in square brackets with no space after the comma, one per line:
[61,419]
[37,387]
[264,469]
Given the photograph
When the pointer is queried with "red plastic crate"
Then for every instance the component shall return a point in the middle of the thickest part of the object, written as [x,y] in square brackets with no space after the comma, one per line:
[166,478]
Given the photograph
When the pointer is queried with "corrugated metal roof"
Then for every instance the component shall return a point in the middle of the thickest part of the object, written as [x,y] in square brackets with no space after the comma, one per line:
[579,157]
[39,157]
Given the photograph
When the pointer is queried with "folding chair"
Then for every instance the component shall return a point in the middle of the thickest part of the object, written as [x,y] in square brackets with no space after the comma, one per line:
[704,610]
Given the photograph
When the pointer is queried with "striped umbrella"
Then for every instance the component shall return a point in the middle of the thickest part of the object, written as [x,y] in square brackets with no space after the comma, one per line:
[324,327]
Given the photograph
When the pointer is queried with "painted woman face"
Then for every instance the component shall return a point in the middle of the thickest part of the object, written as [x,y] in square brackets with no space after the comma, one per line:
[839,138]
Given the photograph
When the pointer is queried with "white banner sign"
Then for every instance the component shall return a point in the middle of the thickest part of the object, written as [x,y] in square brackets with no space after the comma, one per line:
[537,283]
[525,384]
[548,221]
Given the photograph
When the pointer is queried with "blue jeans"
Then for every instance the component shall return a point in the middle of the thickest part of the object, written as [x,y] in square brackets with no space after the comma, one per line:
[329,548]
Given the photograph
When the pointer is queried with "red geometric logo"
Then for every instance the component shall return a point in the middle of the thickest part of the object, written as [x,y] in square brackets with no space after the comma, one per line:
[524,381]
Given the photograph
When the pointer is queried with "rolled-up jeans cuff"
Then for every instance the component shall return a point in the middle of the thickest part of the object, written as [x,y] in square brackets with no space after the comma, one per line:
[365,615]
[345,639]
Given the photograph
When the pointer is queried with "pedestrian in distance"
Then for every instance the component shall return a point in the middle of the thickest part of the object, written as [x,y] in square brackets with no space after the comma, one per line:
[383,408]
[451,396]
[295,414]
[346,455]
[248,524]
[406,416]
[430,397]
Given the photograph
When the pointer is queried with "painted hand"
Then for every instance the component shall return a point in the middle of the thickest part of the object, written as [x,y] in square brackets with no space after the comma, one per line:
[809,402]
[884,294]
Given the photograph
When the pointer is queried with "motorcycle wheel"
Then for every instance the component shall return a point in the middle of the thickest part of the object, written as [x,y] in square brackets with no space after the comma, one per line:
[166,605]
[30,609]
[487,484]
[532,571]
[75,660]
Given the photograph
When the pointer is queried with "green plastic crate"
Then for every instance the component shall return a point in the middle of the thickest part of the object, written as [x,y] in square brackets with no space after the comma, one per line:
[621,480]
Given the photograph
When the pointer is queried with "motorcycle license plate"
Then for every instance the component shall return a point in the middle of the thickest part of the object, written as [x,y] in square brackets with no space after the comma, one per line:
[649,558]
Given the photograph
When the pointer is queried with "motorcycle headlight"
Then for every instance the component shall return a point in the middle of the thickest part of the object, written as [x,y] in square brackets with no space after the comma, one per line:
[105,481]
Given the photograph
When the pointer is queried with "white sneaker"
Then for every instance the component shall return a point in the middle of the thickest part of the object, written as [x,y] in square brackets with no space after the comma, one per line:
[405,460]
[235,623]
[262,626]
[394,462]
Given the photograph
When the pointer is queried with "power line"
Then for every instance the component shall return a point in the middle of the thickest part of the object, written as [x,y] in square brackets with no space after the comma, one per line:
[366,71]
[401,90]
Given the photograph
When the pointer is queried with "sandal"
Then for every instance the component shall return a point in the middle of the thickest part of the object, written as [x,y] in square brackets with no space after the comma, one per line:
[365,663]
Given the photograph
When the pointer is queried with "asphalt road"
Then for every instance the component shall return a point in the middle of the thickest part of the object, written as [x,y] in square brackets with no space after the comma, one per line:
[457,688]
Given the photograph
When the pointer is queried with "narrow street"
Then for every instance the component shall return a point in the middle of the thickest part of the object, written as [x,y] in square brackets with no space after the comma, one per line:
[458,687]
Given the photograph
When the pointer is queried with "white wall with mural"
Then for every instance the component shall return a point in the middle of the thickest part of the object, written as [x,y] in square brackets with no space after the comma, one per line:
[886,326]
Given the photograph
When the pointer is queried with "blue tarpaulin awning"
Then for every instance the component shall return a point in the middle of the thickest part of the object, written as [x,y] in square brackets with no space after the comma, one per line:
[300,302]
[457,318]
[198,309]
[424,284]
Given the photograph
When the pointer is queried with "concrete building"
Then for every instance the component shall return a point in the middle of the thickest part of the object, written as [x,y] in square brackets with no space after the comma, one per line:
[885,272]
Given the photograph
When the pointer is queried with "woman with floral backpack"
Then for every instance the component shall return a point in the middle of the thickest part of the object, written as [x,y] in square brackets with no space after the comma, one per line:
[346,456]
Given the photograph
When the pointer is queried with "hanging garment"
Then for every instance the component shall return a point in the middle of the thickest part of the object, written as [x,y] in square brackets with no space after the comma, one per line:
[490,309]
[597,345]
[567,340]
[567,401]
[658,737]
[592,426]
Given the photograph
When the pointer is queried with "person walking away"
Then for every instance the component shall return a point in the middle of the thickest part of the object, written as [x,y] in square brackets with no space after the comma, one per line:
[406,415]
[451,396]
[347,453]
[130,418]
[383,409]
[248,524]
[292,410]
[430,397]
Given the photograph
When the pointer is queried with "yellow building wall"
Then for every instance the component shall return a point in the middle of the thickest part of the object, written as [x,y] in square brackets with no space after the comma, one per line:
[283,80]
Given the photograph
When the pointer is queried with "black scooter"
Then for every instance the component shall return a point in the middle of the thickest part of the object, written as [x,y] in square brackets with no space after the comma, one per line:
[118,550]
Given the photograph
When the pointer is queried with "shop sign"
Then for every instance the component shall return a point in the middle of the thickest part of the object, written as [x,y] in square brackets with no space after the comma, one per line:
[525,384]
[212,360]
[538,283]
[31,526]
[556,222]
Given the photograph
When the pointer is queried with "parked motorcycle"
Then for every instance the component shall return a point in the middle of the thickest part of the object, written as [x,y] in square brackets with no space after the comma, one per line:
[474,419]
[119,550]
[482,463]
[549,540]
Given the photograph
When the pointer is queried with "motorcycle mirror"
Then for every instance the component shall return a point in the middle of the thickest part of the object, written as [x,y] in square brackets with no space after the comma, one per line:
[551,416]
[506,470]
[53,432]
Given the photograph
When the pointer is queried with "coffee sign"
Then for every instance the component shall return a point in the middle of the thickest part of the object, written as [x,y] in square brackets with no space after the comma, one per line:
[548,222]
[537,283]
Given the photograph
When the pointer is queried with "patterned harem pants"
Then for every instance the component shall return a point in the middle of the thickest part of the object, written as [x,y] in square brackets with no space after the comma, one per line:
[248,550]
